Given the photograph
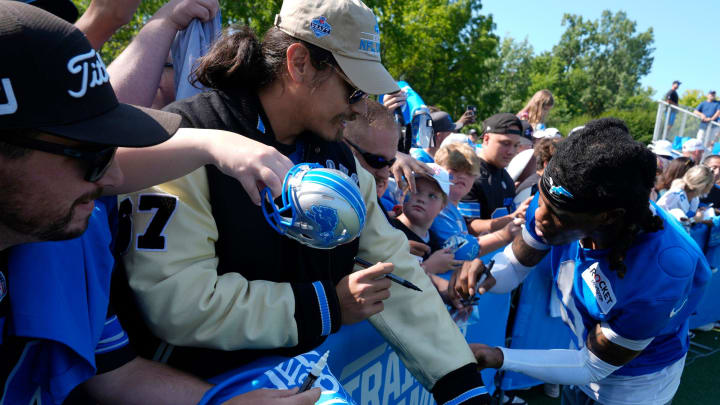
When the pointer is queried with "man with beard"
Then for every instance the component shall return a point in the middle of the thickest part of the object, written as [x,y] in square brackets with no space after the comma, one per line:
[218,283]
[60,129]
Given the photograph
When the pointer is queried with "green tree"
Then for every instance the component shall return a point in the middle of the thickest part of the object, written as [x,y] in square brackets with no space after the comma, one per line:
[443,48]
[692,98]
[513,75]
[598,64]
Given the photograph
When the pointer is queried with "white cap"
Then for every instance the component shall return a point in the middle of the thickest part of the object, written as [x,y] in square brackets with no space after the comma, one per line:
[519,163]
[440,176]
[457,138]
[547,133]
[662,148]
[692,145]
[348,29]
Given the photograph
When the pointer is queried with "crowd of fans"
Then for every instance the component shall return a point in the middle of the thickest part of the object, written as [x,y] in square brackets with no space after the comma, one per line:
[201,282]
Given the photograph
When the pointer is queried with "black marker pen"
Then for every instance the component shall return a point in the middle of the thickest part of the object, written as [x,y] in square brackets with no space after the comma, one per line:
[314,373]
[364,263]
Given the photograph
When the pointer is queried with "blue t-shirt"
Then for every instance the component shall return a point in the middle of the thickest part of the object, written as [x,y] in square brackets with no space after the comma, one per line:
[709,108]
[666,276]
[421,155]
[57,330]
[450,230]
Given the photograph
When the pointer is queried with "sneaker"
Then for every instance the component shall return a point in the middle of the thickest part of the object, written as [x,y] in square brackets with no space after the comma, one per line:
[552,390]
[706,328]
[513,399]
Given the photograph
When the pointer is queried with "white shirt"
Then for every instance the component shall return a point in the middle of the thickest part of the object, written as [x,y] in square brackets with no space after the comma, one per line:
[676,202]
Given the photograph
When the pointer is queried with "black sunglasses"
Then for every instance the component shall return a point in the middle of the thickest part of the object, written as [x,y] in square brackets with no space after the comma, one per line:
[376,161]
[355,93]
[98,159]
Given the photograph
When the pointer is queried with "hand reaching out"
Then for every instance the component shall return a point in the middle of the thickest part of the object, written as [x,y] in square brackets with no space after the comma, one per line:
[179,13]
[253,164]
[404,167]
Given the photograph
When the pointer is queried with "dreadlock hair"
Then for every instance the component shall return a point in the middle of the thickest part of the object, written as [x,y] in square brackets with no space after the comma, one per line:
[602,163]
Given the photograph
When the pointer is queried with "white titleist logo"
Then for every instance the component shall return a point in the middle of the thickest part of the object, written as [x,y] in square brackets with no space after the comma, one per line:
[11,106]
[86,63]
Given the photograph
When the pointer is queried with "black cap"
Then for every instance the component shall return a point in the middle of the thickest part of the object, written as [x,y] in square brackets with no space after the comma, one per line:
[503,123]
[473,131]
[53,81]
[678,82]
[711,92]
[441,122]
[527,130]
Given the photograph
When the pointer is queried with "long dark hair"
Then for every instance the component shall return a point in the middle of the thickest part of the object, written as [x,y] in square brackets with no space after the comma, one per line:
[602,165]
[238,59]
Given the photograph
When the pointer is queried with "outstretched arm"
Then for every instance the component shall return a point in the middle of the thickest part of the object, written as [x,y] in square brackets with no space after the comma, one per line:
[135,73]
[144,382]
[604,353]
[250,162]
[103,17]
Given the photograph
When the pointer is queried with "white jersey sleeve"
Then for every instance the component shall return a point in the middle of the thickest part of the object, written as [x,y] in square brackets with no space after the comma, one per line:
[416,324]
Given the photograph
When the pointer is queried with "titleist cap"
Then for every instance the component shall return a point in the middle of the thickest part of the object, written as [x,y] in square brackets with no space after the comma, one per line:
[348,29]
[52,80]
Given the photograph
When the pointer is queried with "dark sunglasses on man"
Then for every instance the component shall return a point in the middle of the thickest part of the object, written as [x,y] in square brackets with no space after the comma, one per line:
[355,93]
[97,159]
[375,161]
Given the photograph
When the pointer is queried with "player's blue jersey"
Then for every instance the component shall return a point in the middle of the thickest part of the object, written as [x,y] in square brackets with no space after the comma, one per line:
[421,155]
[57,332]
[665,278]
[450,230]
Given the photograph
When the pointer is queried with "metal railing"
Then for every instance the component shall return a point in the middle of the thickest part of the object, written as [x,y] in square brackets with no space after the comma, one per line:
[686,123]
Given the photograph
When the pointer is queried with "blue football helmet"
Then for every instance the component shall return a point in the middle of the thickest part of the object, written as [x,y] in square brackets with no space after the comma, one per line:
[463,245]
[325,207]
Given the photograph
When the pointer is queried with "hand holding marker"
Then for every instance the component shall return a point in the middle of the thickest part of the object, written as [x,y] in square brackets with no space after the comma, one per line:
[314,373]
[475,298]
[364,263]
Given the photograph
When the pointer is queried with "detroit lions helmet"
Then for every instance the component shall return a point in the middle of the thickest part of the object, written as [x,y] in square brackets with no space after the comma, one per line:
[463,245]
[321,208]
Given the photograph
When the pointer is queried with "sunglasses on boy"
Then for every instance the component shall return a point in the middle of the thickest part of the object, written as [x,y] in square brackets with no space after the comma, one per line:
[375,161]
[97,159]
[355,93]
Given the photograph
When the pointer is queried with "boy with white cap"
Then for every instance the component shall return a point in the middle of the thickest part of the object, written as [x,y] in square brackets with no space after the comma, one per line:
[419,211]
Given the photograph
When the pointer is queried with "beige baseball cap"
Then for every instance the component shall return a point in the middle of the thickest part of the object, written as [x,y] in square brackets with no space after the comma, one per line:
[348,29]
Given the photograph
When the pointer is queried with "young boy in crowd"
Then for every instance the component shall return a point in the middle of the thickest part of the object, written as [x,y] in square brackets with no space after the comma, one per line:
[419,211]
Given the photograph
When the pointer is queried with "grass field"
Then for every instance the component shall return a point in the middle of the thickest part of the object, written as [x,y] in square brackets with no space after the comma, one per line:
[700,383]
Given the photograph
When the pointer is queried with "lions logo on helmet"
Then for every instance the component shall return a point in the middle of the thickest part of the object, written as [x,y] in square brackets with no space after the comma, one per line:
[325,205]
[463,245]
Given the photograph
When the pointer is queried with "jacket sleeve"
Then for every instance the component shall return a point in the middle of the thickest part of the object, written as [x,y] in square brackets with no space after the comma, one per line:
[172,269]
[416,324]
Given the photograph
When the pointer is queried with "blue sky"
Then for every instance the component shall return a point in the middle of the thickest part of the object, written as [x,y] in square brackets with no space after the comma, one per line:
[686,48]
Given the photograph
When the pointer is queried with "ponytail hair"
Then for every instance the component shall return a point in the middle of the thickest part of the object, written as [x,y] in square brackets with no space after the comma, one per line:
[239,60]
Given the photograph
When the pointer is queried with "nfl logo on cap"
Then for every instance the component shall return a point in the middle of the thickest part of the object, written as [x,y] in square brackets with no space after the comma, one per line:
[320,27]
